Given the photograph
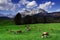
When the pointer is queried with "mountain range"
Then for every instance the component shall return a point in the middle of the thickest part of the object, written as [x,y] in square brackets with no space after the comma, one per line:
[39,12]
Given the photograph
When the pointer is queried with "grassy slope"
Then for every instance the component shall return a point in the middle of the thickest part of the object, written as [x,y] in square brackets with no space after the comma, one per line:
[34,34]
[6,22]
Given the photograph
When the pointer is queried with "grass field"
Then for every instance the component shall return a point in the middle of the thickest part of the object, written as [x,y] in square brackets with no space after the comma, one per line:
[34,34]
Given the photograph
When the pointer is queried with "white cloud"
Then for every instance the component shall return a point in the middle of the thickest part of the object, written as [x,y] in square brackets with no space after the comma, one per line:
[3,1]
[53,3]
[46,5]
[4,5]
[8,5]
[31,4]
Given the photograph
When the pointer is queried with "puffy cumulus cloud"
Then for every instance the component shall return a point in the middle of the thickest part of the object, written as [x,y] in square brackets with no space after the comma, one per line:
[8,5]
[46,5]
[3,1]
[31,4]
[3,4]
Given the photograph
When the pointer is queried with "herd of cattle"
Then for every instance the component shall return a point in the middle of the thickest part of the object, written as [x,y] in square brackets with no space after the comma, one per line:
[43,35]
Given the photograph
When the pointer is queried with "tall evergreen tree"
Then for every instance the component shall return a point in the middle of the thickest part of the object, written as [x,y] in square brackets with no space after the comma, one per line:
[17,19]
[44,18]
[27,19]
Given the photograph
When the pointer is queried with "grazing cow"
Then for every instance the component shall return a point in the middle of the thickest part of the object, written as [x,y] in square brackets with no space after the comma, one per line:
[45,35]
[19,31]
[12,31]
[28,28]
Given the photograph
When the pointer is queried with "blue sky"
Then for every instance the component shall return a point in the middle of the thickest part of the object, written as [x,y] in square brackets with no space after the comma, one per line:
[14,6]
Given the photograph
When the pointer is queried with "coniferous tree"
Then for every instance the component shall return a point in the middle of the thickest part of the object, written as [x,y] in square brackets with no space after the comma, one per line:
[17,19]
[27,19]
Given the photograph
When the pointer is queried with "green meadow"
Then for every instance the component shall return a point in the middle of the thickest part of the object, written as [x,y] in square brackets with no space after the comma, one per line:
[34,34]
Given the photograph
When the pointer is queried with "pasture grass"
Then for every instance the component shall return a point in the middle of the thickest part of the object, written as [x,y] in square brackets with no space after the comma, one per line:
[34,34]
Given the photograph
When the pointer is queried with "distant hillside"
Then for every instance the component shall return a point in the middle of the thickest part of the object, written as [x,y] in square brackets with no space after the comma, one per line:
[3,17]
[36,18]
[6,21]
[54,14]
[40,18]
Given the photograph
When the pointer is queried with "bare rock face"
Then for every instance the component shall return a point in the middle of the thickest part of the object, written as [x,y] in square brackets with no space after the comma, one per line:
[32,12]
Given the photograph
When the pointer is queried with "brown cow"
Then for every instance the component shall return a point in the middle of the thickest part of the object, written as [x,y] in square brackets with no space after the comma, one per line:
[19,31]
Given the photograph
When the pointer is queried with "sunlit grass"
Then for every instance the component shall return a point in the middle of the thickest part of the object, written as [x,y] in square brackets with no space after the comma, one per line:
[34,34]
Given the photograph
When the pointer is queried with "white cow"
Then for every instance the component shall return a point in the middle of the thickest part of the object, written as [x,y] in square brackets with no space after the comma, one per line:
[45,34]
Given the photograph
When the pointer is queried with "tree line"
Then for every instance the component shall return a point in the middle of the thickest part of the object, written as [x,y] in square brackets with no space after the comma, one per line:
[28,19]
[37,18]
